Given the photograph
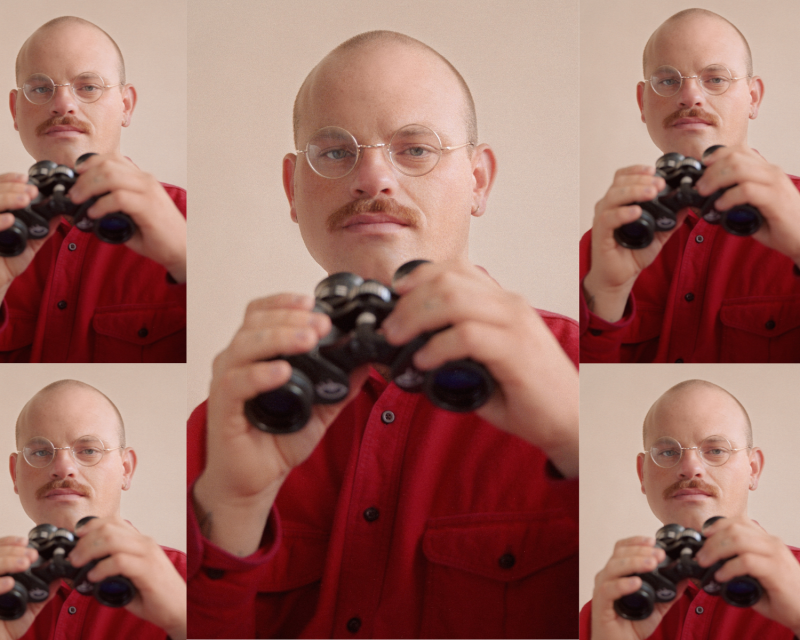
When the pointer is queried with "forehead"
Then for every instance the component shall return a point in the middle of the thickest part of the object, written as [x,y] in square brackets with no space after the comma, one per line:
[68,49]
[377,88]
[693,414]
[66,413]
[692,43]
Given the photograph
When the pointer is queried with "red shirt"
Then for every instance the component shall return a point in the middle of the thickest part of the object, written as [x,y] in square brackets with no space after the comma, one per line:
[406,521]
[699,616]
[83,300]
[708,297]
[72,616]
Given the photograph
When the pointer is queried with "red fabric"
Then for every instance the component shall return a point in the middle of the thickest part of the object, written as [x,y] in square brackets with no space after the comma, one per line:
[744,304]
[91,619]
[454,496]
[699,616]
[119,305]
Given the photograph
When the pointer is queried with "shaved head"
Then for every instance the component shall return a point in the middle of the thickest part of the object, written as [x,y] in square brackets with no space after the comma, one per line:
[675,393]
[60,23]
[65,385]
[690,14]
[369,41]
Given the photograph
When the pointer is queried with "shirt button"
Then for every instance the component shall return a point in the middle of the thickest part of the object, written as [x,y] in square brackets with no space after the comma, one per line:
[214,574]
[507,560]
[143,332]
[72,246]
[62,304]
[353,625]
[371,514]
[698,610]
[689,297]
[72,611]
[679,360]
[698,239]
[387,417]
[770,324]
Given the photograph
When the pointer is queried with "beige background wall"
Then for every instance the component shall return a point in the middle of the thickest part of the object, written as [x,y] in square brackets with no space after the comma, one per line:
[151,399]
[152,37]
[520,58]
[614,401]
[613,35]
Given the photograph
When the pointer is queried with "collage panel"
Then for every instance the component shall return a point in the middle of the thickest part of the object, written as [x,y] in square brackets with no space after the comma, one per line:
[664,445]
[96,459]
[93,259]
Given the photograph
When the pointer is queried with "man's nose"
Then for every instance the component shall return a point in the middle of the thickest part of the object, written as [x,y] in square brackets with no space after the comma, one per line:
[63,465]
[374,174]
[63,102]
[691,93]
[691,464]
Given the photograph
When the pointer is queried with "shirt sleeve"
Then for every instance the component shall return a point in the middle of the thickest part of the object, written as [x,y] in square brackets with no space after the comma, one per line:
[585,621]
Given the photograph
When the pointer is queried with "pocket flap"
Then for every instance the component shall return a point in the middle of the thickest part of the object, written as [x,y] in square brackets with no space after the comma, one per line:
[501,547]
[765,317]
[140,325]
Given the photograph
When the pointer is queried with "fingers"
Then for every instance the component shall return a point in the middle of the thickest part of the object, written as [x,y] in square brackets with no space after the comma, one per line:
[15,555]
[15,192]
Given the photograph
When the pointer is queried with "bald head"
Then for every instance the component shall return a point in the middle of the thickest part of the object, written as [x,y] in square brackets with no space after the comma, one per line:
[679,20]
[66,22]
[64,387]
[361,46]
[677,394]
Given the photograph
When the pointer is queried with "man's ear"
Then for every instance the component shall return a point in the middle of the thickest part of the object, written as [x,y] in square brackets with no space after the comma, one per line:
[756,467]
[12,467]
[484,171]
[128,467]
[128,103]
[640,471]
[289,167]
[640,87]
[756,95]
[12,104]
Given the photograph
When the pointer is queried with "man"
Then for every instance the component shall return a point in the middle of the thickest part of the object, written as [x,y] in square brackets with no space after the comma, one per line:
[72,297]
[60,479]
[703,295]
[700,462]
[404,520]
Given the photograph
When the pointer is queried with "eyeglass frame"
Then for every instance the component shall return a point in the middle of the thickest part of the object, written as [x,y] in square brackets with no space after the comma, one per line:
[705,462]
[72,451]
[70,85]
[695,77]
[385,146]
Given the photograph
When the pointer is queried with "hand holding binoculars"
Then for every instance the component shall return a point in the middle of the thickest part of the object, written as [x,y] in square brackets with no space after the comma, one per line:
[33,221]
[357,307]
[661,213]
[661,584]
[33,585]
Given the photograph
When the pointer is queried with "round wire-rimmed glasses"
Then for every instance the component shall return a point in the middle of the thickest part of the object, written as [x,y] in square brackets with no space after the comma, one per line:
[333,152]
[715,80]
[715,451]
[39,452]
[87,87]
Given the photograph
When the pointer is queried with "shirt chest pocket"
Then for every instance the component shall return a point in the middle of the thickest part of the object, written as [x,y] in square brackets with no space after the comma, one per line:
[142,333]
[501,575]
[762,330]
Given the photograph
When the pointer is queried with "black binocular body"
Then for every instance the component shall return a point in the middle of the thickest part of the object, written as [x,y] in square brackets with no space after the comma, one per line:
[661,584]
[33,221]
[33,585]
[661,213]
[357,307]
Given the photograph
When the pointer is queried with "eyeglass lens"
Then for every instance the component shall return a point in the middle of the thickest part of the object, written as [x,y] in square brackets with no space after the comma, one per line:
[87,450]
[333,152]
[40,88]
[714,79]
[714,450]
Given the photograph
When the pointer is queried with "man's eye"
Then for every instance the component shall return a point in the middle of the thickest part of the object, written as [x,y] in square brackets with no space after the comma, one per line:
[41,90]
[89,88]
[715,80]
[41,453]
[668,82]
[668,453]
[335,154]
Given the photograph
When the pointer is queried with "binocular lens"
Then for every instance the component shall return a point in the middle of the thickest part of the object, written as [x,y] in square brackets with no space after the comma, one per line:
[116,591]
[459,386]
[636,606]
[12,605]
[743,591]
[115,228]
[636,235]
[284,410]
[12,242]
[742,221]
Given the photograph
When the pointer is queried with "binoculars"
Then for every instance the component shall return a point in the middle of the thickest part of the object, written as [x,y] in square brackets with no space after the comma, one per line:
[33,221]
[357,307]
[33,585]
[660,214]
[661,584]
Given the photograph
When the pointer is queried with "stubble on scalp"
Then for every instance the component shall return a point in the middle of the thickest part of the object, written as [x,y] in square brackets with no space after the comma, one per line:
[692,13]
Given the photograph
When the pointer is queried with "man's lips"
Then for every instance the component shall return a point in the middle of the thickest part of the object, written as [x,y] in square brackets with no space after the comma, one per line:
[368,215]
[691,119]
[691,123]
[690,493]
[62,127]
[63,490]
[373,218]
[690,490]
[61,493]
